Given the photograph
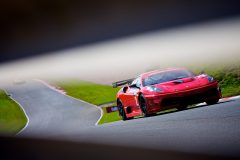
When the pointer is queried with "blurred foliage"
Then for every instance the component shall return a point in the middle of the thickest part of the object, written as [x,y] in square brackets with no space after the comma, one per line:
[228,76]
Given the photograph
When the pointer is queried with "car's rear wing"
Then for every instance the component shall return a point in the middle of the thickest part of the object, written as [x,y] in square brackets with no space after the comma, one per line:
[123,82]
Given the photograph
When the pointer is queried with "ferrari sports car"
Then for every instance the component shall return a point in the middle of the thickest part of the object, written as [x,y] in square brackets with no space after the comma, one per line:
[159,90]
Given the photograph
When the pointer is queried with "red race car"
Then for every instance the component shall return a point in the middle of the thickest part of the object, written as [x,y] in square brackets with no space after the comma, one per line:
[159,90]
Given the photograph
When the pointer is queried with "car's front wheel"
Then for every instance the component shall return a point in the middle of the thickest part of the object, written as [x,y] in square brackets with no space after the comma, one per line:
[212,101]
[182,107]
[143,106]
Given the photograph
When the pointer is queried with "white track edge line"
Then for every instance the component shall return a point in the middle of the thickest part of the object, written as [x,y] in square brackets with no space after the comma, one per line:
[53,88]
[10,96]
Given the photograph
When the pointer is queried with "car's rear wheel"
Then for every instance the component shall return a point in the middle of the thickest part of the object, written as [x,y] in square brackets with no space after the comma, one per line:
[122,111]
[212,101]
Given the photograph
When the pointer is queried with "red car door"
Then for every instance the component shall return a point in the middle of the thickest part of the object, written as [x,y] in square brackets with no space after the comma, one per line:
[130,96]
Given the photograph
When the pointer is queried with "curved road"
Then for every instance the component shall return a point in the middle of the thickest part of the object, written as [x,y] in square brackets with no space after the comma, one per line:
[213,130]
[50,112]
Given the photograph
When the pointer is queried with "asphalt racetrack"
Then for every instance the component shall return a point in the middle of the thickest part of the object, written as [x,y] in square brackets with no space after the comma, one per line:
[50,112]
[211,130]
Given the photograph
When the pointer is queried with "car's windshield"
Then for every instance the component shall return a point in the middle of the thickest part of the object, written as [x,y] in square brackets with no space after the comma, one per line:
[166,76]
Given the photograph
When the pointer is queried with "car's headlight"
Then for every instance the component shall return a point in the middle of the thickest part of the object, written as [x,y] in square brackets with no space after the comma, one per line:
[210,78]
[154,89]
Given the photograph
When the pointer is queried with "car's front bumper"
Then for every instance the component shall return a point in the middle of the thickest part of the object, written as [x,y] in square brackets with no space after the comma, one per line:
[162,101]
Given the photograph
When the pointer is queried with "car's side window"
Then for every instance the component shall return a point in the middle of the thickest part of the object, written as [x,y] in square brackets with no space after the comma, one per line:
[133,82]
[137,82]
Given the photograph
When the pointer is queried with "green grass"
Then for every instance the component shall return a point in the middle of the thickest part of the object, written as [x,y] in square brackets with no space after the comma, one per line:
[230,91]
[109,117]
[90,92]
[12,117]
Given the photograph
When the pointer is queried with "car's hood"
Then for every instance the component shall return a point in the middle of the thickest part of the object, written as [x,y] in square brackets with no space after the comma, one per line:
[180,84]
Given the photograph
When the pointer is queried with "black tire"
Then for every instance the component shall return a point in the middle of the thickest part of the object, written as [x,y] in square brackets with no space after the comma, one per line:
[212,101]
[122,111]
[182,107]
[143,106]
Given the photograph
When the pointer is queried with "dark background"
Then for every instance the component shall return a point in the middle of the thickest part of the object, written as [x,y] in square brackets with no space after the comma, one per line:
[34,27]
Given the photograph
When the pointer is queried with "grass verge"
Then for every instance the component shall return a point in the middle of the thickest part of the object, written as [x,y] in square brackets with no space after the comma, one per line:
[90,92]
[109,117]
[12,117]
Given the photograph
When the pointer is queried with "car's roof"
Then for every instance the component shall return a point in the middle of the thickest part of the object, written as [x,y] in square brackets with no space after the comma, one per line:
[147,74]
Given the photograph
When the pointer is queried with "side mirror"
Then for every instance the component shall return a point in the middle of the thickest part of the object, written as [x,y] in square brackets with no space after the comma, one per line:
[125,89]
[134,86]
